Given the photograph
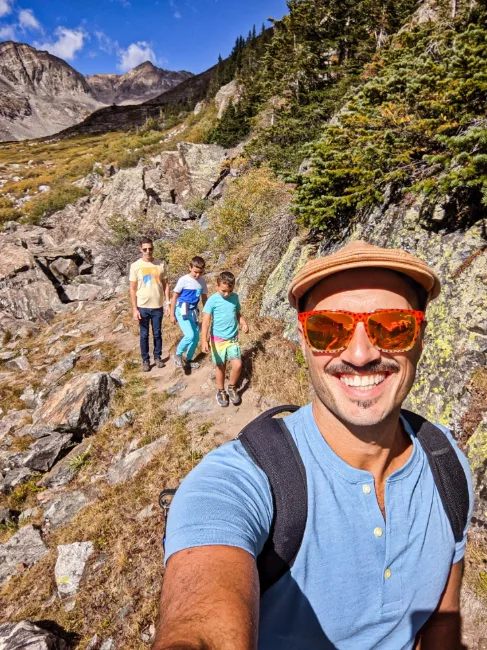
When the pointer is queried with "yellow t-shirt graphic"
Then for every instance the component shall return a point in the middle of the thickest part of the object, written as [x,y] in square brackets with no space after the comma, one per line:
[149,277]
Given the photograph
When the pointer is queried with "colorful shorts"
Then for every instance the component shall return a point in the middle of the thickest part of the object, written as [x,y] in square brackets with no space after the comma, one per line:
[223,350]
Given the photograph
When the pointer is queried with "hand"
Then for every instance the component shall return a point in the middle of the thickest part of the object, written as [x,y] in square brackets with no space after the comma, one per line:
[172,318]
[137,316]
[245,327]
[205,348]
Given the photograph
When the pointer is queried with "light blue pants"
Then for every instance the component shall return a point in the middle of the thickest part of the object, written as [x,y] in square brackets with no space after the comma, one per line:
[191,331]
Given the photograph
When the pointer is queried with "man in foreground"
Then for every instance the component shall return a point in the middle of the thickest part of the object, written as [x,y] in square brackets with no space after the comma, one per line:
[378,566]
[148,289]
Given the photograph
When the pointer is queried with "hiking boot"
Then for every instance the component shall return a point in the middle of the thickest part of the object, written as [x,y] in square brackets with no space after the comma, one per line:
[145,366]
[234,396]
[178,361]
[222,398]
[160,363]
[194,365]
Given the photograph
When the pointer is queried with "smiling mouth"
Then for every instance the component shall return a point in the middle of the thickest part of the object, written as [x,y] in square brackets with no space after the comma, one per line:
[363,383]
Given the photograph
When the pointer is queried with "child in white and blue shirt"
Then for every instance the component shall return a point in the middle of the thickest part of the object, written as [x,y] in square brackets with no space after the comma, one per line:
[184,309]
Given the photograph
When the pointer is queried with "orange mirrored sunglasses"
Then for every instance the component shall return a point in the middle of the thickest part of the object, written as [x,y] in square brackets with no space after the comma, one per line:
[389,330]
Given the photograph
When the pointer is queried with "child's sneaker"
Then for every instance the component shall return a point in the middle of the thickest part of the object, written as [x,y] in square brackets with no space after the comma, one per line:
[178,361]
[194,365]
[222,398]
[234,396]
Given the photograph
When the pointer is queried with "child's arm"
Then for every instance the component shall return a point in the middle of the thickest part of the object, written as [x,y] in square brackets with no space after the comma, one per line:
[204,298]
[205,328]
[242,322]
[173,307]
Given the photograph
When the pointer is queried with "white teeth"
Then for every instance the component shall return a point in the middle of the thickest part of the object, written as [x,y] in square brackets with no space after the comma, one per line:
[362,382]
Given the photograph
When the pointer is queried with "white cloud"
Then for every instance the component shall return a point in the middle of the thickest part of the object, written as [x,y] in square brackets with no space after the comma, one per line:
[175,12]
[7,33]
[5,7]
[135,54]
[67,44]
[106,44]
[27,20]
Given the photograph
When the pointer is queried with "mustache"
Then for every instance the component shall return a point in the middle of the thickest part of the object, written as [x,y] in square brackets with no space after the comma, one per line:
[372,368]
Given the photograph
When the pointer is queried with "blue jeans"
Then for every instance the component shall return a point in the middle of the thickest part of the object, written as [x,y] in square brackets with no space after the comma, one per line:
[149,316]
[191,331]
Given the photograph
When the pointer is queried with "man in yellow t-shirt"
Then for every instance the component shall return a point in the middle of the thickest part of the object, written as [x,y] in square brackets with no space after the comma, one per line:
[149,290]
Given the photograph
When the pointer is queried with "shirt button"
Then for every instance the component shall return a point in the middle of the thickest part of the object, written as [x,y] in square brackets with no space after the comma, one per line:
[378,532]
[366,488]
[387,574]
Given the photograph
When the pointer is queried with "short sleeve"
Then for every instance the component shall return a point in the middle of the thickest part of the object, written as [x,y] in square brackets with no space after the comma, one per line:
[163,271]
[238,306]
[225,500]
[179,285]
[133,273]
[461,545]
[209,308]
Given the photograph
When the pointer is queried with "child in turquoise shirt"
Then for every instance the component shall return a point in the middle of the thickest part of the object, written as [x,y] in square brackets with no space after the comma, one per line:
[223,312]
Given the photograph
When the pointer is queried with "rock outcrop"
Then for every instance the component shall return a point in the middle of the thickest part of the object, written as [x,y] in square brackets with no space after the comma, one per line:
[22,550]
[23,635]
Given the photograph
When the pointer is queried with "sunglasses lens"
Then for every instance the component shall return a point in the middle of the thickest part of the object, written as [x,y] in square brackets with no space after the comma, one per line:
[392,331]
[329,331]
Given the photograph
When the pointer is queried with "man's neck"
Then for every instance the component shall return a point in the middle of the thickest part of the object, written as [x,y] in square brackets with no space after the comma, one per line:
[380,449]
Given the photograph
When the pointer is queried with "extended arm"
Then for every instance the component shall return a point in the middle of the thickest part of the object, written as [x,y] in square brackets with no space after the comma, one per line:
[209,601]
[205,328]
[204,298]
[443,629]
[133,300]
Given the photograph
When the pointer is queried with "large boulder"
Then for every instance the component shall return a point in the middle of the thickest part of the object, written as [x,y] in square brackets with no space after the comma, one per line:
[64,508]
[59,369]
[70,566]
[22,550]
[81,405]
[25,291]
[127,467]
[228,93]
[45,452]
[29,636]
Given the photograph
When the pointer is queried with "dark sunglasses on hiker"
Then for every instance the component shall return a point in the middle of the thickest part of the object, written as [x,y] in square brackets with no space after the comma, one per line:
[389,330]
[147,250]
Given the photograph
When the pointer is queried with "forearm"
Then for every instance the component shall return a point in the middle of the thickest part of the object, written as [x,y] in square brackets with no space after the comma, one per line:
[133,298]
[173,303]
[167,292]
[441,632]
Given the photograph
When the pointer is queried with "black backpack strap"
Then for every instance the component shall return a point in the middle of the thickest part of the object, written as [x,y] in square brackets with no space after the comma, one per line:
[272,448]
[447,470]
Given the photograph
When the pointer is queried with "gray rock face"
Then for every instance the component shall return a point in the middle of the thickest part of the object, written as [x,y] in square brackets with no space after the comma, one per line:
[13,478]
[70,565]
[19,363]
[60,368]
[28,636]
[124,420]
[81,405]
[25,292]
[196,405]
[64,269]
[227,94]
[13,420]
[127,467]
[24,549]
[267,254]
[64,508]
[46,451]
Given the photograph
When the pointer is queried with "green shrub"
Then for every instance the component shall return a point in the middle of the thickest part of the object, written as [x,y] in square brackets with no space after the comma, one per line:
[191,242]
[418,123]
[249,203]
[52,201]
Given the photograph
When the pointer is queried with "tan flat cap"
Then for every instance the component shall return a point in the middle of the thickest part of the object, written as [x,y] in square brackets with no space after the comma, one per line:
[359,254]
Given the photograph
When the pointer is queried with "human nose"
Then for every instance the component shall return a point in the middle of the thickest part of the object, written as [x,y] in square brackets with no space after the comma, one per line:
[360,352]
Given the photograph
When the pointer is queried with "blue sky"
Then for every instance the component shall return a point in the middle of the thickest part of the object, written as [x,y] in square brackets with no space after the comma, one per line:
[115,35]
